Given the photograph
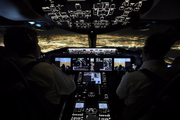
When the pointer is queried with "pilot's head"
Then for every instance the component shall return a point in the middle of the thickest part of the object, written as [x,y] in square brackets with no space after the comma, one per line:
[156,46]
[23,41]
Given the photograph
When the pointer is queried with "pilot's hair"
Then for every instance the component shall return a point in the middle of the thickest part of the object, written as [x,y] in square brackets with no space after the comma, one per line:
[158,45]
[21,40]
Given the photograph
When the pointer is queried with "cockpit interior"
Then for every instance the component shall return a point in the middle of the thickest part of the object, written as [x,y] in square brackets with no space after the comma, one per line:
[96,40]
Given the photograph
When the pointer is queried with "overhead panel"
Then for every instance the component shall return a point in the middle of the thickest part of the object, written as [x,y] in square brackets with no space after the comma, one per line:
[92,15]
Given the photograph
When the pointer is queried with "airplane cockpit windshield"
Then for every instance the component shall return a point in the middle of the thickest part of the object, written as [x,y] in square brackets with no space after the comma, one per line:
[134,41]
[60,39]
[98,41]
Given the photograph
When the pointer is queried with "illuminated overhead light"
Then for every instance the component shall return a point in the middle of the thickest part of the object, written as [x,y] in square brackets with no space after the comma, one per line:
[38,25]
[153,21]
[31,23]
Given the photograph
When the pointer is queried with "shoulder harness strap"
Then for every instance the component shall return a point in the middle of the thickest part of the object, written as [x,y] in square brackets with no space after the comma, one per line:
[153,76]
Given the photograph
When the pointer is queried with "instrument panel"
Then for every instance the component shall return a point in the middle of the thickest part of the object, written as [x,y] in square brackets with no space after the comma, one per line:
[94,69]
[100,10]
[95,60]
[94,63]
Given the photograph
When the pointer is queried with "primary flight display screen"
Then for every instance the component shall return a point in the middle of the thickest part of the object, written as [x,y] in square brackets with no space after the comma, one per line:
[121,63]
[63,62]
[92,76]
[103,64]
[80,64]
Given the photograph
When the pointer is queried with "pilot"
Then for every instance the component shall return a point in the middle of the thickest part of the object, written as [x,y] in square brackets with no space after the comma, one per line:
[135,84]
[52,81]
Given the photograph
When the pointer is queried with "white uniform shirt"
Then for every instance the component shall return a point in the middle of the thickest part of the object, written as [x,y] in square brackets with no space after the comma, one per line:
[134,84]
[52,80]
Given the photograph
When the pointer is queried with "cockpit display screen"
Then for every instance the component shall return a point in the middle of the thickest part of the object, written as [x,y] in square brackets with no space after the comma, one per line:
[63,62]
[79,105]
[103,64]
[120,64]
[80,64]
[92,76]
[103,106]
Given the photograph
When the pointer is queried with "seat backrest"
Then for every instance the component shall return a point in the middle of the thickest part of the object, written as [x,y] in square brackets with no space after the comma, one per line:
[168,102]
[140,107]
[10,89]
[17,100]
[53,111]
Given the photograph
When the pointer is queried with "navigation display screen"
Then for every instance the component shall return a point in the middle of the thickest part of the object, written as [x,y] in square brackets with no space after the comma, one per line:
[63,62]
[103,64]
[80,64]
[120,64]
[92,76]
[103,106]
